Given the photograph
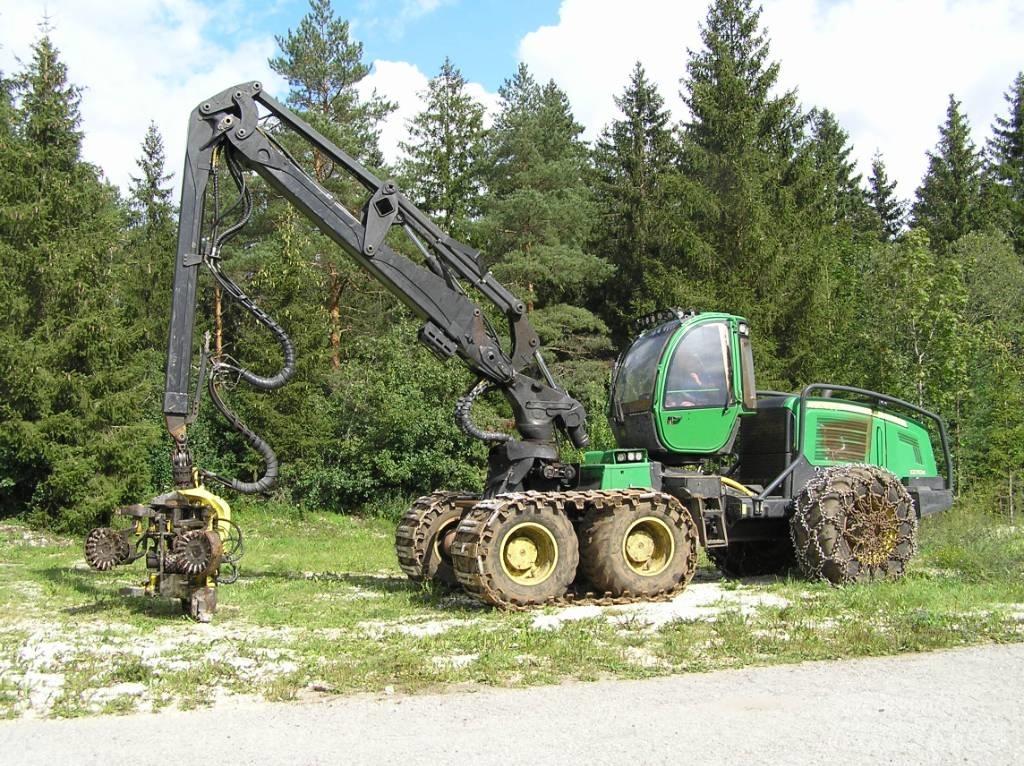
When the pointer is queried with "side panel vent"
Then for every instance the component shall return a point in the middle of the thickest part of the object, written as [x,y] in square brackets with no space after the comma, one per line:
[911,442]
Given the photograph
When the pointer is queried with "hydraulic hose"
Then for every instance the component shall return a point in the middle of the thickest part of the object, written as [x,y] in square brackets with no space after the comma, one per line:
[287,347]
[265,383]
[464,416]
[222,368]
[269,477]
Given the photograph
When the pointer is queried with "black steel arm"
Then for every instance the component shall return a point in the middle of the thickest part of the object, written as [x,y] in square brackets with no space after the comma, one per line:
[453,323]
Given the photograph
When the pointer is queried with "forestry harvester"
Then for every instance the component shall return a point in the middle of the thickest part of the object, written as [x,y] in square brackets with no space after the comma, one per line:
[834,477]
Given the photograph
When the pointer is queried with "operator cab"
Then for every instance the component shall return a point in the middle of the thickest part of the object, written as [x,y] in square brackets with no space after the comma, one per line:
[679,389]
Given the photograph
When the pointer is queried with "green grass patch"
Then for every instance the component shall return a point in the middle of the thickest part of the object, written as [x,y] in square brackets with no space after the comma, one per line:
[322,607]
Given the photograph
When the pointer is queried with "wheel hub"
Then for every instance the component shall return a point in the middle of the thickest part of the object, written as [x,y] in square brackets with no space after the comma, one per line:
[873,530]
[648,546]
[444,539]
[529,554]
[640,547]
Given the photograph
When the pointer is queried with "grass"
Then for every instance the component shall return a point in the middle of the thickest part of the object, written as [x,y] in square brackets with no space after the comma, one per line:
[322,607]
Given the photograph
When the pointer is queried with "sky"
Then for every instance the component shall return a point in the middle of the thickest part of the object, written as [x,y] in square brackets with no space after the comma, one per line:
[885,67]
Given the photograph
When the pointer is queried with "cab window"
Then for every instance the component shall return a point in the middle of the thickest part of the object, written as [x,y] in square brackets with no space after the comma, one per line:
[633,388]
[699,373]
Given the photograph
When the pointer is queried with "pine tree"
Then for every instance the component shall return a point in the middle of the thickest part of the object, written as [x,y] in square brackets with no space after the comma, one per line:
[512,145]
[537,220]
[327,424]
[634,163]
[1006,152]
[323,65]
[442,165]
[890,210]
[949,200]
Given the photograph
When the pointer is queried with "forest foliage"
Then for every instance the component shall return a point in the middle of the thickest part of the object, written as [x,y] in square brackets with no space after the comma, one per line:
[749,203]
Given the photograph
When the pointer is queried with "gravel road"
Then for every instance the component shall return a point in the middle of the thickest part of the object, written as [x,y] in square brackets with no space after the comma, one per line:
[963,706]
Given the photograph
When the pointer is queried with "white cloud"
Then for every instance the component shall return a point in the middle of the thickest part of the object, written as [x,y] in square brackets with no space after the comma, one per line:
[592,49]
[137,61]
[400,83]
[886,67]
[156,59]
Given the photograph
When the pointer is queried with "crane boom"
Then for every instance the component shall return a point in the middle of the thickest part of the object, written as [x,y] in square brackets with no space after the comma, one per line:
[229,124]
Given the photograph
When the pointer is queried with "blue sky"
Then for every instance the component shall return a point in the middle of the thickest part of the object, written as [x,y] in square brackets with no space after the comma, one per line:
[481,36]
[884,67]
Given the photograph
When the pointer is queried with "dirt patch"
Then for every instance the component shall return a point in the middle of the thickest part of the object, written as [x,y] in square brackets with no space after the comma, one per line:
[12,534]
[700,601]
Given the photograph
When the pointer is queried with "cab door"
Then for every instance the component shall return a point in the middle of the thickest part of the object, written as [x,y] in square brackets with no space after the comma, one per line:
[696,402]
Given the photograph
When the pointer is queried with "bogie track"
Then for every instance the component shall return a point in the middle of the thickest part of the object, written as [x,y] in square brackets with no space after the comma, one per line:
[521,550]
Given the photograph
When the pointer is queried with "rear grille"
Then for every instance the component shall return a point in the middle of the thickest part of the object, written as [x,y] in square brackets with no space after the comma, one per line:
[841,439]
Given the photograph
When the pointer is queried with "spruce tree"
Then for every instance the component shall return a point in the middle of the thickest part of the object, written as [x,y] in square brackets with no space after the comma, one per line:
[949,200]
[634,165]
[738,148]
[12,158]
[1006,161]
[152,239]
[78,419]
[441,170]
[50,106]
[6,107]
[889,209]
[838,196]
[149,193]
[48,124]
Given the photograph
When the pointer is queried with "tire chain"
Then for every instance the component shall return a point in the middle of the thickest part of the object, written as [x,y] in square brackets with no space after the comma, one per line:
[821,487]
[476,522]
[411,534]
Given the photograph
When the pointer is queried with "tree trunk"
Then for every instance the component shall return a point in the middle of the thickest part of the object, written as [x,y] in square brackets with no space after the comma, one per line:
[336,287]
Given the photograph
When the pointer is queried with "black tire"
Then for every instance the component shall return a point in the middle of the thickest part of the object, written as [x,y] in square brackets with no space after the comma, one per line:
[516,550]
[644,546]
[754,558]
[419,534]
[854,523]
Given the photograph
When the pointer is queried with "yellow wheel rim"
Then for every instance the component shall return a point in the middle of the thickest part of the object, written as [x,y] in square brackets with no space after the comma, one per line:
[529,553]
[648,546]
